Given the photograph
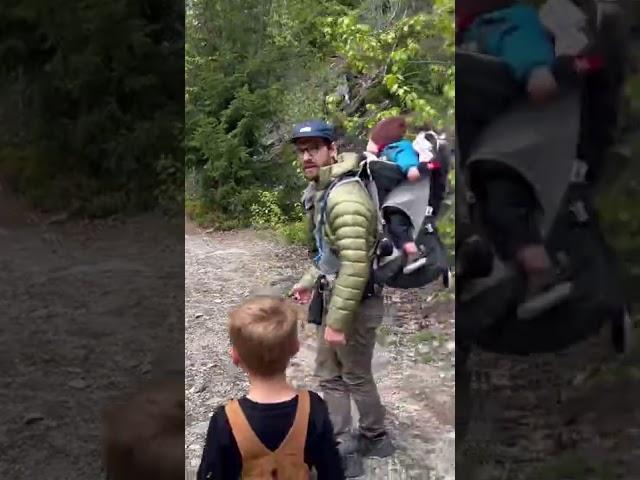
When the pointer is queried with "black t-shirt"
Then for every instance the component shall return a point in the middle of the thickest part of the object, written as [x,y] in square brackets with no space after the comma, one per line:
[221,459]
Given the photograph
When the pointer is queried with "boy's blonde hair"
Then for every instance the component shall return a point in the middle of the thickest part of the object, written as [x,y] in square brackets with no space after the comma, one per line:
[264,332]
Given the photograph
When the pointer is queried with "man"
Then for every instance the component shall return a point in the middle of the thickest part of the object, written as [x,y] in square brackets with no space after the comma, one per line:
[355,308]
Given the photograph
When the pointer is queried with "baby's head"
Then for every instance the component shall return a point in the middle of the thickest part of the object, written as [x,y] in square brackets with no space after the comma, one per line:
[387,131]
[143,438]
[264,335]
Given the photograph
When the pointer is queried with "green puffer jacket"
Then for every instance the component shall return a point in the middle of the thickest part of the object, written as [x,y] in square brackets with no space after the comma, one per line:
[351,232]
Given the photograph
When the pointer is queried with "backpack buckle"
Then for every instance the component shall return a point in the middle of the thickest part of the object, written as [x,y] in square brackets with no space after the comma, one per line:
[429,211]
[579,211]
[578,171]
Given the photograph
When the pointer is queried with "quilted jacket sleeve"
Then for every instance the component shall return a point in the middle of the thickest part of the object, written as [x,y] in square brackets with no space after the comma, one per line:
[352,220]
[309,278]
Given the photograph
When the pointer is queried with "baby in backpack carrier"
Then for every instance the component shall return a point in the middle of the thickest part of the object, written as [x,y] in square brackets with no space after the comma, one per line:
[387,140]
[514,33]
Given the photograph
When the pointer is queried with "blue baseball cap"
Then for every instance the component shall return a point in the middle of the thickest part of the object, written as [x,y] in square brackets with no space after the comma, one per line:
[313,128]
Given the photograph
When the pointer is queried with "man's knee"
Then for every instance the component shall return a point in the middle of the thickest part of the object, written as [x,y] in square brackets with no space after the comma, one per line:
[335,384]
[359,380]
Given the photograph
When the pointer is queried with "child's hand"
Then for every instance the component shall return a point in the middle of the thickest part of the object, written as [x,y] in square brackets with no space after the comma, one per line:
[541,84]
[413,174]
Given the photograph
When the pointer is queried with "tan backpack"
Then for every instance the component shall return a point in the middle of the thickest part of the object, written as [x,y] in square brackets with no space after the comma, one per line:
[260,463]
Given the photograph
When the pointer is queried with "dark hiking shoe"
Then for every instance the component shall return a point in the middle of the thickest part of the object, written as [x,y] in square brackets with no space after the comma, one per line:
[348,444]
[379,446]
[353,465]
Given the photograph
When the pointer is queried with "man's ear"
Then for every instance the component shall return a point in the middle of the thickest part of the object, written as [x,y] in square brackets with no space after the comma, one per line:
[333,151]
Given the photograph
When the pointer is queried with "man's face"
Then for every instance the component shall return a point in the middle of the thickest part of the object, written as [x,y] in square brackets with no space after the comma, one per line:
[314,153]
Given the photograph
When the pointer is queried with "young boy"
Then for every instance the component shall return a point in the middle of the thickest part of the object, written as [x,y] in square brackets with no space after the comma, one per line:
[387,140]
[144,437]
[275,431]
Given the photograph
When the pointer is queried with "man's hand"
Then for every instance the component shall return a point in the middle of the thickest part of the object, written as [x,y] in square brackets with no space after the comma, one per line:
[301,295]
[334,337]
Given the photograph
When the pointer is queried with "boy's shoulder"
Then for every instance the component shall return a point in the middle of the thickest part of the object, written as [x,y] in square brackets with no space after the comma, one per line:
[218,422]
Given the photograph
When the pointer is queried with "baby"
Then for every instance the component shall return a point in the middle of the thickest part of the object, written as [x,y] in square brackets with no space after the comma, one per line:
[387,140]
[514,33]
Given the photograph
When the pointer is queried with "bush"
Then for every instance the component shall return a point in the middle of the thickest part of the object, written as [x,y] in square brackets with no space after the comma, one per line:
[296,233]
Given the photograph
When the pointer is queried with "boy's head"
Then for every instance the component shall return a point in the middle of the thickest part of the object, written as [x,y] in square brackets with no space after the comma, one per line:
[143,438]
[387,131]
[264,335]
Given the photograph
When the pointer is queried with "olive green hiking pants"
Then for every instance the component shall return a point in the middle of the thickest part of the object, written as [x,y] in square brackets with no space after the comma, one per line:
[345,373]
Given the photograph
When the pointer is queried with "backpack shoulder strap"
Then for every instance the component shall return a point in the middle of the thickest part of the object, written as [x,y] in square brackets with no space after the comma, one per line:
[323,206]
[249,444]
[294,443]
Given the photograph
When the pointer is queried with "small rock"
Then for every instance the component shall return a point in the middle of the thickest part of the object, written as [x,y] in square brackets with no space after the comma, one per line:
[199,315]
[33,418]
[201,388]
[217,300]
[451,346]
[200,428]
[78,383]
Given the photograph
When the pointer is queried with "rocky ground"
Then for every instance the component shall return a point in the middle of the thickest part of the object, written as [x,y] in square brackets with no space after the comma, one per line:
[413,362]
[89,310]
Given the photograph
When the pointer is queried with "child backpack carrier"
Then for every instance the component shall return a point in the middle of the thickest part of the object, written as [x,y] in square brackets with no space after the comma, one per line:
[489,307]
[258,462]
[414,200]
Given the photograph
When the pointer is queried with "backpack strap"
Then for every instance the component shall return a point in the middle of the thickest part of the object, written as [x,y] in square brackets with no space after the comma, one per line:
[294,442]
[319,231]
[249,444]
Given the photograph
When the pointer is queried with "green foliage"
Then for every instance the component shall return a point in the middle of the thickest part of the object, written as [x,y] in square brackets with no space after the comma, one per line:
[295,233]
[99,84]
[409,56]
[252,72]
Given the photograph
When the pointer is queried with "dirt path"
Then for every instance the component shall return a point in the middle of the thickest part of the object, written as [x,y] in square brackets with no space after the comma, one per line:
[89,310]
[413,362]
